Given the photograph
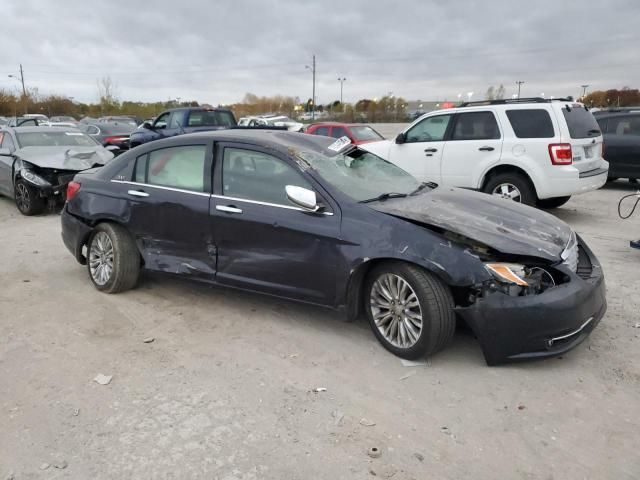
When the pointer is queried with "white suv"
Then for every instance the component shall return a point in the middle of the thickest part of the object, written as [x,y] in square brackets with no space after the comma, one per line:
[535,151]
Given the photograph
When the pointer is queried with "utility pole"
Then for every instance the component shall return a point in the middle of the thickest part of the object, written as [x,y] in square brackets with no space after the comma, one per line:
[341,80]
[584,90]
[313,93]
[519,83]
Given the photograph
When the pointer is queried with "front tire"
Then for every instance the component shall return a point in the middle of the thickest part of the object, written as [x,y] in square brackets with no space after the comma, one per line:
[511,186]
[409,310]
[28,200]
[553,202]
[113,260]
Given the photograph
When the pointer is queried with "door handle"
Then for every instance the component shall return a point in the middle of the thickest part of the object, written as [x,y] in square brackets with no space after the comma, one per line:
[431,150]
[486,149]
[228,209]
[138,193]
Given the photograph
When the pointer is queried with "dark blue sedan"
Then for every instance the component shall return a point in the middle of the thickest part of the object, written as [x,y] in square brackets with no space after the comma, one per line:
[318,220]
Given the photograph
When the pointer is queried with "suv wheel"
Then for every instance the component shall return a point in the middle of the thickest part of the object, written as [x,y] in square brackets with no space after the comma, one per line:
[113,259]
[28,201]
[511,186]
[410,310]
[553,202]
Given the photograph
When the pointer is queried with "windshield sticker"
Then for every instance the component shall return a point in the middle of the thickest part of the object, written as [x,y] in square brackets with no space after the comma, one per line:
[73,133]
[339,144]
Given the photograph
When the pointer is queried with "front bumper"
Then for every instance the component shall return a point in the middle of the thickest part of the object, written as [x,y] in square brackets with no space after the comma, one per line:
[540,326]
[74,234]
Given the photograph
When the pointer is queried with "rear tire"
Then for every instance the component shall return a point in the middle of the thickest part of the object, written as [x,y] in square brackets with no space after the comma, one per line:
[553,202]
[511,186]
[396,295]
[27,198]
[113,260]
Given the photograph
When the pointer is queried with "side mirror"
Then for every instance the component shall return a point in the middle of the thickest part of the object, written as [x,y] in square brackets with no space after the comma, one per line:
[401,138]
[303,197]
[5,152]
[147,125]
[112,148]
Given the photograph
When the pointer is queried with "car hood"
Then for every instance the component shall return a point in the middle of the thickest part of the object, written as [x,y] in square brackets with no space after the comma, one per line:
[378,147]
[503,225]
[66,157]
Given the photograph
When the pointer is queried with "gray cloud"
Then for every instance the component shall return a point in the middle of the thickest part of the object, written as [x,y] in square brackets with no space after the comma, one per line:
[218,51]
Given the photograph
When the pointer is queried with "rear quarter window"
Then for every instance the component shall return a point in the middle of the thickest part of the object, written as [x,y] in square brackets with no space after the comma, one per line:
[531,123]
[581,122]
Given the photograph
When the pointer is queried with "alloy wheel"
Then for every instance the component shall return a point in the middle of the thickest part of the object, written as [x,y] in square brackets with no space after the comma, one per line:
[396,310]
[23,197]
[101,258]
[508,191]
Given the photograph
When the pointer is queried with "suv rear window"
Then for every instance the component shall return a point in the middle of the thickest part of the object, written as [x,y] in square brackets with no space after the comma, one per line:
[531,123]
[581,122]
[211,118]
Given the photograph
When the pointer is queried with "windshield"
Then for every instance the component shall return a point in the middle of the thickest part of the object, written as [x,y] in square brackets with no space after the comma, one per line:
[581,122]
[361,175]
[365,133]
[55,139]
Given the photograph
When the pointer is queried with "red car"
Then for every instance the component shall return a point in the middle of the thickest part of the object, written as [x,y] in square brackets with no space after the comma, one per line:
[358,133]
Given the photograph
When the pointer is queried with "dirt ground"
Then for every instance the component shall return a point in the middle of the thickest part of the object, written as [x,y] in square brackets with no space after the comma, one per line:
[225,391]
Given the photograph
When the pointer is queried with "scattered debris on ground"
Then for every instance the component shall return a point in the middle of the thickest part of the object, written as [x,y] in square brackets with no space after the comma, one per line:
[103,379]
[367,423]
[374,452]
[148,340]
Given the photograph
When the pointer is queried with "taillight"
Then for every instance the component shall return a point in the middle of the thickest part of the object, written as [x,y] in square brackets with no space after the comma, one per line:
[561,153]
[72,190]
[114,139]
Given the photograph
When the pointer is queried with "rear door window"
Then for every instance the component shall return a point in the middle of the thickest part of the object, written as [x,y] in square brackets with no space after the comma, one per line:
[176,167]
[476,126]
[581,122]
[531,123]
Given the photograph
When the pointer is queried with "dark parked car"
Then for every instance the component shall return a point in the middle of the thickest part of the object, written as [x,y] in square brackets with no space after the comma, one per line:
[179,121]
[113,134]
[621,131]
[320,221]
[356,132]
[36,163]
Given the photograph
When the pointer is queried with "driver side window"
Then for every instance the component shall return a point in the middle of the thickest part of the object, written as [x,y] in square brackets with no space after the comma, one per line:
[162,120]
[431,129]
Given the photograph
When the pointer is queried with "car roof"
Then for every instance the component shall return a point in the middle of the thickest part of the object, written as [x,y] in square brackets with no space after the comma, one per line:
[281,140]
[44,129]
[197,109]
[338,124]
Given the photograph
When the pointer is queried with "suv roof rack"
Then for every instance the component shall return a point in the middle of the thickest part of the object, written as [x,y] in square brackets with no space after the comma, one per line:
[506,101]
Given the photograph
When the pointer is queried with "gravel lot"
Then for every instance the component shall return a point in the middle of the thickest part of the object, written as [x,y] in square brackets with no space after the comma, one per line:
[226,388]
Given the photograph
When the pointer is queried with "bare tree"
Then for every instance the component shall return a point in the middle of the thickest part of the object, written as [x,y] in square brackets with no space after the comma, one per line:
[490,95]
[107,94]
[500,92]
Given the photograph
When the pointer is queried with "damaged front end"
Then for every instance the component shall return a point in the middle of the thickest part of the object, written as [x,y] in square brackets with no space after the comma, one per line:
[533,308]
[51,183]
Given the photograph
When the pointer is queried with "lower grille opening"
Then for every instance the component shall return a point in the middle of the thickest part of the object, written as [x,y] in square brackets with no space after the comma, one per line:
[584,268]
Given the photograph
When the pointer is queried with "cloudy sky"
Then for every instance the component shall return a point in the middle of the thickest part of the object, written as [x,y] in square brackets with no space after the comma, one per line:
[216,51]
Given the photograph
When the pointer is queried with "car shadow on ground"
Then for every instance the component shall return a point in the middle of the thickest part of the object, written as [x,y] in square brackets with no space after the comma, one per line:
[329,326]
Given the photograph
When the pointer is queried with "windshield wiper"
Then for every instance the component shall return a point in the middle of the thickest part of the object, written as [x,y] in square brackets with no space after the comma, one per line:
[384,196]
[423,185]
[594,132]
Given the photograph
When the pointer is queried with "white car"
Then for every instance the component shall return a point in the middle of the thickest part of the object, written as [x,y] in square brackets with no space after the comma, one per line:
[535,151]
[271,121]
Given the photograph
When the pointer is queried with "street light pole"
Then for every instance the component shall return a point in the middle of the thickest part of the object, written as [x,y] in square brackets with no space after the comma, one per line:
[313,92]
[341,80]
[519,83]
[584,90]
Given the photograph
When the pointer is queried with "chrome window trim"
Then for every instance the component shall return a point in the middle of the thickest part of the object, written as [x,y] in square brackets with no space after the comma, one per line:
[171,189]
[267,204]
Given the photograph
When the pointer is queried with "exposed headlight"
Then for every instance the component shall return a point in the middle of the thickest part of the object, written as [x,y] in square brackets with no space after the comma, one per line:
[33,178]
[510,273]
